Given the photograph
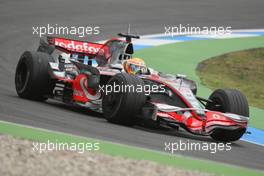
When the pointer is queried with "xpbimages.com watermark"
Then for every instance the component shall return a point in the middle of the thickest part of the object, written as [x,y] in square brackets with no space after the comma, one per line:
[55,29]
[79,147]
[212,147]
[196,30]
[116,88]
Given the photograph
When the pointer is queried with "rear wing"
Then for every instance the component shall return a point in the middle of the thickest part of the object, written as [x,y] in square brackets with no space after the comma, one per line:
[73,46]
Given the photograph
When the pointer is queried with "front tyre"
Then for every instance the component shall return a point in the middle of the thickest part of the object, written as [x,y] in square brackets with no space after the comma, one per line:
[232,101]
[123,106]
[32,80]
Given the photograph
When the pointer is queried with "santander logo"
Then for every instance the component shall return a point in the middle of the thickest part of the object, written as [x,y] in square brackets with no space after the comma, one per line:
[78,46]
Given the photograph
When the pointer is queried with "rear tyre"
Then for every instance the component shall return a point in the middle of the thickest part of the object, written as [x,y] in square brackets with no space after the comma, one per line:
[228,100]
[32,79]
[122,107]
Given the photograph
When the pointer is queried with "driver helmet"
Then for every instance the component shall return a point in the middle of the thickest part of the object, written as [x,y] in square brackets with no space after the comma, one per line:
[135,66]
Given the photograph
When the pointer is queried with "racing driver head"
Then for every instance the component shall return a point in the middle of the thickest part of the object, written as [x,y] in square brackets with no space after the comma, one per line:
[135,66]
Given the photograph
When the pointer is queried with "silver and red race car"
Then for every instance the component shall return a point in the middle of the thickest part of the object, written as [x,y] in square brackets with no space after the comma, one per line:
[91,75]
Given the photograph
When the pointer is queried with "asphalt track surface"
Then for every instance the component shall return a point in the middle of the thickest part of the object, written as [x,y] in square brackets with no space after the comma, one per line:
[149,16]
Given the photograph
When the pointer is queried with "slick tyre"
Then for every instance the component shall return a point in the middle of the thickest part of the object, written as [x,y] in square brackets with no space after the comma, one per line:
[123,106]
[32,80]
[232,101]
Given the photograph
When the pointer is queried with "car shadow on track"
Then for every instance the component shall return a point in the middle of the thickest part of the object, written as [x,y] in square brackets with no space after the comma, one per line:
[75,108]
[180,133]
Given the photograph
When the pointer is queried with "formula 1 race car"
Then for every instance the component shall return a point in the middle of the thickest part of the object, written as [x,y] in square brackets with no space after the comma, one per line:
[91,75]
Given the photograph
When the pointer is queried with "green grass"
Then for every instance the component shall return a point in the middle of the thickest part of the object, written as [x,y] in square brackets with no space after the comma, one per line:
[184,58]
[243,70]
[128,151]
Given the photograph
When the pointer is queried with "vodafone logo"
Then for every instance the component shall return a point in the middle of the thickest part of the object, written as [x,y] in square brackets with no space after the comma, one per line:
[78,46]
